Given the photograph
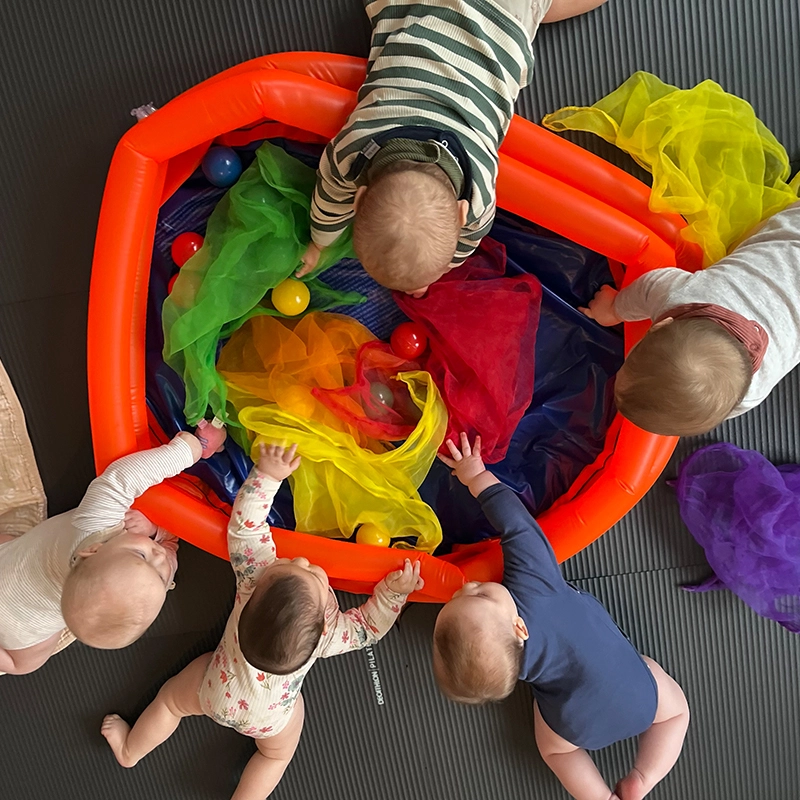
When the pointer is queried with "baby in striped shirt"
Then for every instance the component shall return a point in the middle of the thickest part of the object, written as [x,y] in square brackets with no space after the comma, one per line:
[414,167]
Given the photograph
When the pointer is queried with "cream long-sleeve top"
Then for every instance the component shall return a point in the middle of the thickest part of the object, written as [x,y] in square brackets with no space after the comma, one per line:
[34,566]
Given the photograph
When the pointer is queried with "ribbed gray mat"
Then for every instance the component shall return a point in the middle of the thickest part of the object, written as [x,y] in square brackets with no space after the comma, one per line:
[69,73]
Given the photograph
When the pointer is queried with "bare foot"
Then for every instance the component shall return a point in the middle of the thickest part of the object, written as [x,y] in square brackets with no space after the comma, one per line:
[632,786]
[116,730]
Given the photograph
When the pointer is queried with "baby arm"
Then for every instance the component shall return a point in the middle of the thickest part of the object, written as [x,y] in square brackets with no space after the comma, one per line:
[527,554]
[360,627]
[646,298]
[111,494]
[332,209]
[250,544]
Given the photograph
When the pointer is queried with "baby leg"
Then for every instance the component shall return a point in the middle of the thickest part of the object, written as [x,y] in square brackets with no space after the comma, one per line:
[571,765]
[176,699]
[564,9]
[265,769]
[661,744]
[23,662]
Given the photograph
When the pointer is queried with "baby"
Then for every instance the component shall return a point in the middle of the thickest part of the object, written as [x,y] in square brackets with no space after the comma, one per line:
[415,166]
[590,686]
[722,338]
[284,618]
[101,570]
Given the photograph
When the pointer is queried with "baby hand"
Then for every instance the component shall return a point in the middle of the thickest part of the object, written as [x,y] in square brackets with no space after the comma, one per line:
[277,462]
[193,442]
[406,580]
[310,260]
[601,307]
[467,465]
[138,524]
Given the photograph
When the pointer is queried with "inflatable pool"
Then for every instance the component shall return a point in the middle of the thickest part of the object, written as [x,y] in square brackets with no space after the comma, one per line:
[306,97]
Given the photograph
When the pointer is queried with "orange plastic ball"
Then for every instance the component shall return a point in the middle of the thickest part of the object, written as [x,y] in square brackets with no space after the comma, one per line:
[372,534]
[291,297]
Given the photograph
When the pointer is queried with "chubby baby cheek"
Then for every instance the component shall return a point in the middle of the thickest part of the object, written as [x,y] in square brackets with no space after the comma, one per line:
[171,552]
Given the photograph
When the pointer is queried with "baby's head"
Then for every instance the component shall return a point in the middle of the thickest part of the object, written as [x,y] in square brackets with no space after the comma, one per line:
[407,225]
[116,589]
[283,620]
[683,378]
[477,644]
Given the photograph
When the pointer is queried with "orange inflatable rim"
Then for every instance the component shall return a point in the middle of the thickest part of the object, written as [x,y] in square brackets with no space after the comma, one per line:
[542,177]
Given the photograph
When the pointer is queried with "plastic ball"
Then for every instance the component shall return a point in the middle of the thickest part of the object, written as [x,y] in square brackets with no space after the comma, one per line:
[291,297]
[185,246]
[171,283]
[222,166]
[378,405]
[382,393]
[409,340]
[372,534]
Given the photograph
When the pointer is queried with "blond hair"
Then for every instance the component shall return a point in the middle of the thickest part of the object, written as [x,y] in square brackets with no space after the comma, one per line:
[683,378]
[471,669]
[104,607]
[407,225]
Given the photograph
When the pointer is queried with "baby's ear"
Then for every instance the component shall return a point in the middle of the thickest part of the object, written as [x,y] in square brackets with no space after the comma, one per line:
[663,324]
[463,211]
[89,551]
[357,199]
[520,629]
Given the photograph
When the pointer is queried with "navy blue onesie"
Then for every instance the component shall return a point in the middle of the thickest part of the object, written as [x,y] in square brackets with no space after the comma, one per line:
[590,683]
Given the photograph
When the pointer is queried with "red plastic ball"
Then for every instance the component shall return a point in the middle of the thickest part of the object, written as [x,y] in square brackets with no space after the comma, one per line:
[409,340]
[185,246]
[171,283]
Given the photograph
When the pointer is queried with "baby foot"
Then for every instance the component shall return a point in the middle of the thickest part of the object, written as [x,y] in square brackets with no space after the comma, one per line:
[632,786]
[212,436]
[115,730]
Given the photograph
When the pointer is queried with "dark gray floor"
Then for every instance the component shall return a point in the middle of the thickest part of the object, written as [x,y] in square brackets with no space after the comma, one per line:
[69,73]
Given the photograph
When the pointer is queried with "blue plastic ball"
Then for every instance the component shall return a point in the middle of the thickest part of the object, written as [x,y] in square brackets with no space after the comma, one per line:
[222,166]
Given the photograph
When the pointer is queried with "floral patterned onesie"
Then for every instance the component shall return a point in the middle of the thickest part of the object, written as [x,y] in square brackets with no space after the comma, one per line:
[239,696]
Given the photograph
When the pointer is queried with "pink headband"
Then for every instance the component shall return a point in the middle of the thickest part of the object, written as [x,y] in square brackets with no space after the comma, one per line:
[754,338]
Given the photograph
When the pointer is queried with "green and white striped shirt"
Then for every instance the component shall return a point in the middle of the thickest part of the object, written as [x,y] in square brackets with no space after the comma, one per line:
[455,65]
